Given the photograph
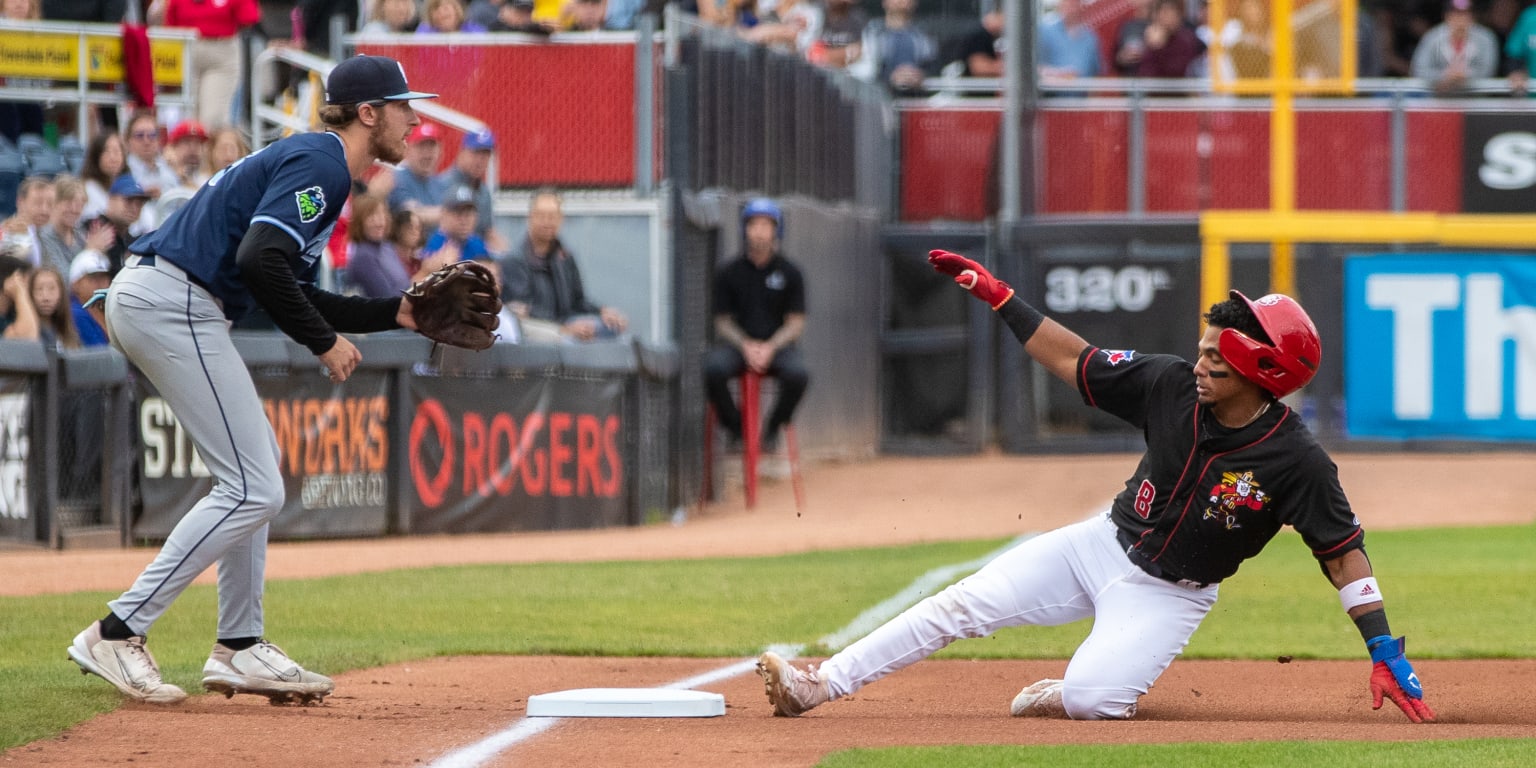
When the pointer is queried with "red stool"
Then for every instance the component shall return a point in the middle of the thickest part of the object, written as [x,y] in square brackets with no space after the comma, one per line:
[751,390]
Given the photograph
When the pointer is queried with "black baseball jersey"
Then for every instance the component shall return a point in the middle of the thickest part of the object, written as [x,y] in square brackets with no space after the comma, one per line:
[758,299]
[1206,497]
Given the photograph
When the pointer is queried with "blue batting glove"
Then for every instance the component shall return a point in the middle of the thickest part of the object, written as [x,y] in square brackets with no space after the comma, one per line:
[1393,677]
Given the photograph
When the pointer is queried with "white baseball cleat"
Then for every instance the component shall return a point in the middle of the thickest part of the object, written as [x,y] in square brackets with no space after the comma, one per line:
[126,664]
[791,690]
[263,669]
[1041,699]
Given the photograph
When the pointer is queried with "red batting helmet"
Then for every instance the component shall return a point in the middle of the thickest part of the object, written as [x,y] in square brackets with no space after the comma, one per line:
[1289,363]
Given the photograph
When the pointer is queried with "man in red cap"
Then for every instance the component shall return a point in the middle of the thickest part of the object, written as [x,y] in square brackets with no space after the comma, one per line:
[413,179]
[184,153]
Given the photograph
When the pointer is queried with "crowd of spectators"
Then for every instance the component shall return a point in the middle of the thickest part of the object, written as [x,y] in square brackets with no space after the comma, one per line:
[1444,42]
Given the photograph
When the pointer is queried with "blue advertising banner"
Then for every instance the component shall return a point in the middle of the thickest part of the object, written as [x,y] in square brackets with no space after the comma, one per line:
[1440,346]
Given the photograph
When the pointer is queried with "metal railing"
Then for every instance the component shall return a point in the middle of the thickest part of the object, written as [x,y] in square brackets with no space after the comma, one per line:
[90,87]
[301,113]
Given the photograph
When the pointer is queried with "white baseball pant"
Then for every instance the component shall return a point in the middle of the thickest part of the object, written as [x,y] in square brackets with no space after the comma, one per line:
[1140,623]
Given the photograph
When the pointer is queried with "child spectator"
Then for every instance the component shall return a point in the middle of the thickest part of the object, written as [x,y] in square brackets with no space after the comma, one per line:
[896,52]
[18,318]
[55,323]
[88,273]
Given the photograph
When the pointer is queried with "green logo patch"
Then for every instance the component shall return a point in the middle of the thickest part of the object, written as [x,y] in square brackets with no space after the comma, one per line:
[311,203]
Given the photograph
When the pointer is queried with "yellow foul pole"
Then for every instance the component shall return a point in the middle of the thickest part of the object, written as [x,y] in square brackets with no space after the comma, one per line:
[1282,147]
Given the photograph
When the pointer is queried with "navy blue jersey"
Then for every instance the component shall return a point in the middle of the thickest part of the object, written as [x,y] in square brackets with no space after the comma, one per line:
[297,185]
[1205,497]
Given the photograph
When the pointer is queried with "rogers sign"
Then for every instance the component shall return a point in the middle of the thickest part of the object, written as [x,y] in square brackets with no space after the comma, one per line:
[554,454]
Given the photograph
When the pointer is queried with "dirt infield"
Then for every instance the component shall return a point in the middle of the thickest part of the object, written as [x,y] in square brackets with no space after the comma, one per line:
[412,713]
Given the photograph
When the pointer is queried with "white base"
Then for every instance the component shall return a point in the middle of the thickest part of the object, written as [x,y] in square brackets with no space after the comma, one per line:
[626,702]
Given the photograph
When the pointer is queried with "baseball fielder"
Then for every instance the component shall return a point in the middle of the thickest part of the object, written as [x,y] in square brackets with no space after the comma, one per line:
[1226,466]
[252,235]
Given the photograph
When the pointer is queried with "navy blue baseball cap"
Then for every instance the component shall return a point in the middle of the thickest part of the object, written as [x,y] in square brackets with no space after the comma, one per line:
[369,78]
[126,186]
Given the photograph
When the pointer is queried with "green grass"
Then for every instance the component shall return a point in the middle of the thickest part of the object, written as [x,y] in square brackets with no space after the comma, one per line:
[1483,753]
[1456,593]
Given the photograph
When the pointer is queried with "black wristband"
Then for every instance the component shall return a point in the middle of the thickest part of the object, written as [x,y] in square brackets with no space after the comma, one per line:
[1373,624]
[1021,318]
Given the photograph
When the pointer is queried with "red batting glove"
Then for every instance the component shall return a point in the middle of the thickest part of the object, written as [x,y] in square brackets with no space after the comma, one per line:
[971,276]
[1384,684]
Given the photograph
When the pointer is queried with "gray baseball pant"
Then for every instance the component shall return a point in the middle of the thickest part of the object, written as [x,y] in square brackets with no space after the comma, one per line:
[176,334]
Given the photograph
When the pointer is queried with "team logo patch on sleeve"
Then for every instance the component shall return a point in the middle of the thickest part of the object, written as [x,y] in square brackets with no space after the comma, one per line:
[1117,356]
[311,203]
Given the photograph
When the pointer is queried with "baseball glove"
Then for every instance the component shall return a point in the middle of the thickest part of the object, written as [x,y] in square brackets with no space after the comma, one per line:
[457,304]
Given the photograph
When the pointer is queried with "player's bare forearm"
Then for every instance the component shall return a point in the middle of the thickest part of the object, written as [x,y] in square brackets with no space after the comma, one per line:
[727,331]
[1057,348]
[789,332]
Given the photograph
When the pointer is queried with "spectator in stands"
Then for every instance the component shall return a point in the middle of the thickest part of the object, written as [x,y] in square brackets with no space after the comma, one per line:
[105,160]
[225,146]
[517,16]
[509,329]
[393,17]
[484,12]
[125,206]
[1456,50]
[543,281]
[842,29]
[624,15]
[55,323]
[1130,38]
[981,50]
[90,272]
[791,26]
[415,187]
[1248,41]
[583,15]
[455,238]
[896,53]
[20,117]
[1171,44]
[759,305]
[443,16]
[146,160]
[64,237]
[1520,51]
[215,55]
[469,169]
[1499,17]
[184,153]
[22,233]
[408,235]
[18,318]
[373,267]
[147,163]
[1069,48]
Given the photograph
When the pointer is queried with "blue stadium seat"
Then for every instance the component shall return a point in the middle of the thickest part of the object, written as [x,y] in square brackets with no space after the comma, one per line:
[46,162]
[27,143]
[72,151]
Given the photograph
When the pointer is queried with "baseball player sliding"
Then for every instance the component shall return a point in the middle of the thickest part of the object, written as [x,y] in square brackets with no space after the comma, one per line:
[1226,466]
[252,235]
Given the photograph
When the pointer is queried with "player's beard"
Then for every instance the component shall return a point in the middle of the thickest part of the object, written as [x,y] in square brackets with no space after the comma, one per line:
[385,146]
